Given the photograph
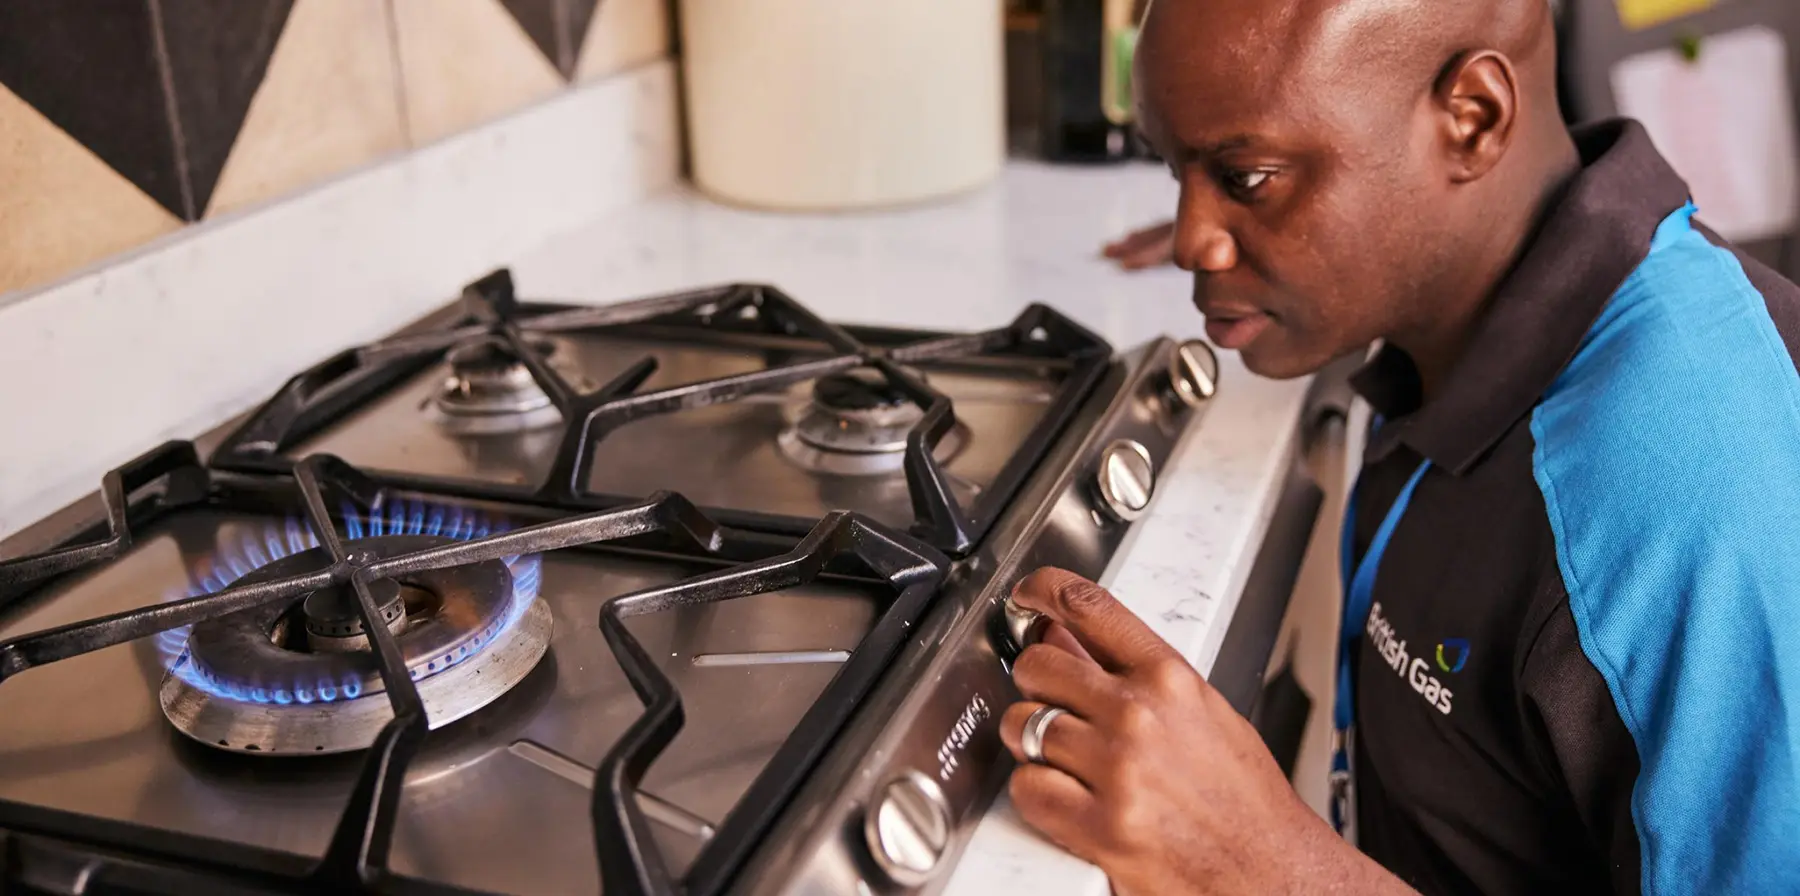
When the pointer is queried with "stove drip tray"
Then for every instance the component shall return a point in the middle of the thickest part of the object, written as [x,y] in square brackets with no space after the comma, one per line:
[299,677]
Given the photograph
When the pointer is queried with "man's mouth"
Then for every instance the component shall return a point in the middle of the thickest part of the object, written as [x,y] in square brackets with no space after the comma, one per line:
[1236,330]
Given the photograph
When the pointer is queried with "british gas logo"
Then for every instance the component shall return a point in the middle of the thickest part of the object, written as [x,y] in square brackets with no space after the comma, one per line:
[1416,671]
[1458,648]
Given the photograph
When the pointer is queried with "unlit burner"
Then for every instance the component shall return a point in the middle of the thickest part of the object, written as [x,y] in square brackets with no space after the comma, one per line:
[856,424]
[300,677]
[489,390]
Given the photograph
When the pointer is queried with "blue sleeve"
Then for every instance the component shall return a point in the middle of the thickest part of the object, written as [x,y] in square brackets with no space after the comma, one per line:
[1668,454]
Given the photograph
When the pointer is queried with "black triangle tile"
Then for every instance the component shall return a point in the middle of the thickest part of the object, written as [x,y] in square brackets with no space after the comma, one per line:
[218,52]
[90,67]
[539,18]
[556,26]
[580,13]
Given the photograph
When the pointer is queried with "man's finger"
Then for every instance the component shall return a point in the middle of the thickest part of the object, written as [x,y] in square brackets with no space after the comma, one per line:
[1059,637]
[1134,243]
[1070,744]
[1057,806]
[1137,240]
[1114,636]
[1153,254]
[1057,677]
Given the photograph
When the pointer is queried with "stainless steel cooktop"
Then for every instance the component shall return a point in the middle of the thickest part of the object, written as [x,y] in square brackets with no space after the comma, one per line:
[692,594]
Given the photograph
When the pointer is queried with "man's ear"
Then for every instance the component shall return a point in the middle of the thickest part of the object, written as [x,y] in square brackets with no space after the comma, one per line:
[1478,102]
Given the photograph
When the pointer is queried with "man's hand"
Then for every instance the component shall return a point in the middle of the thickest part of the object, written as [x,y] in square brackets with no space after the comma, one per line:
[1151,775]
[1147,248]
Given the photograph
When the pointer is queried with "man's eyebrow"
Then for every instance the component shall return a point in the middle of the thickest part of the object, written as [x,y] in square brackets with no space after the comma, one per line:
[1215,147]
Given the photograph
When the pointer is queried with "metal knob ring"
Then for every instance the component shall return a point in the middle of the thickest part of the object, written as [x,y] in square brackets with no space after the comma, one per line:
[1193,372]
[908,828]
[1126,480]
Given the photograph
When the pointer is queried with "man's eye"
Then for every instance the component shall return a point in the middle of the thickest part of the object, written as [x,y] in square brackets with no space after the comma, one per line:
[1246,181]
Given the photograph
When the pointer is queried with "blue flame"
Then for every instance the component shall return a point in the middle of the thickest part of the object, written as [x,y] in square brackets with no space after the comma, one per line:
[276,541]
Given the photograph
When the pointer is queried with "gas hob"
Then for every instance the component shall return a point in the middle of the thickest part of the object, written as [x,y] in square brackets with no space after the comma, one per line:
[692,594]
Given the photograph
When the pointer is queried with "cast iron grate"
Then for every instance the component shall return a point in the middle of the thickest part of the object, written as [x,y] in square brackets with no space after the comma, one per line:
[316,398]
[169,479]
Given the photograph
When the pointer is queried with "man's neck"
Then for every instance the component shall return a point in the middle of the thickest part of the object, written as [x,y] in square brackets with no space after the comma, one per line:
[1437,340]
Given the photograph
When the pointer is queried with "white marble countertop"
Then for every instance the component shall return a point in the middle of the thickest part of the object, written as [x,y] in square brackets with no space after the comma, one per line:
[971,263]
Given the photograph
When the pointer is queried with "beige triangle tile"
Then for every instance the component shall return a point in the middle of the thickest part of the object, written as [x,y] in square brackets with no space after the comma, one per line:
[61,208]
[623,34]
[465,62]
[329,102]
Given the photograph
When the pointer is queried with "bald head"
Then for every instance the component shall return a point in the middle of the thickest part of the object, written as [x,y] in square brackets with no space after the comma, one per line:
[1343,161]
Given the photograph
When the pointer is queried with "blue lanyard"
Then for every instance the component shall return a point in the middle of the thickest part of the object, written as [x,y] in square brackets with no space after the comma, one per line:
[1359,593]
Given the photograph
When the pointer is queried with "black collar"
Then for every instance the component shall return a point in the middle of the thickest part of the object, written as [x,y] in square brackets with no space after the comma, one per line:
[1593,238]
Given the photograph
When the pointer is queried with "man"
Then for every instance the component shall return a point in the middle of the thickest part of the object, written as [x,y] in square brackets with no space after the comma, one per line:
[1574,654]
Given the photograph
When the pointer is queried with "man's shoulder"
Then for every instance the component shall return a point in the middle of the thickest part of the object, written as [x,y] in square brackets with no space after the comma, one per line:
[1699,335]
[1781,297]
[1668,456]
[1672,439]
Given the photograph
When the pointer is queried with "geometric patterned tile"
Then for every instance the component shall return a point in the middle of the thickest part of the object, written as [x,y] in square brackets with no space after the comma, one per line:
[329,102]
[626,34]
[465,62]
[90,67]
[538,18]
[157,89]
[556,26]
[218,51]
[579,14]
[62,207]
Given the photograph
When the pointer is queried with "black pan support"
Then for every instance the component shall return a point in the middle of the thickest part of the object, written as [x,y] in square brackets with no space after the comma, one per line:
[315,398]
[170,478]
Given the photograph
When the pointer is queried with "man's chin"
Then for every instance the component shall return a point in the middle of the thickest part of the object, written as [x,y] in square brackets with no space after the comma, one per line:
[1273,363]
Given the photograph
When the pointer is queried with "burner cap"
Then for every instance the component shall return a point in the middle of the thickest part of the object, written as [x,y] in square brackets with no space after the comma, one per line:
[299,677]
[333,623]
[489,390]
[856,424]
[857,390]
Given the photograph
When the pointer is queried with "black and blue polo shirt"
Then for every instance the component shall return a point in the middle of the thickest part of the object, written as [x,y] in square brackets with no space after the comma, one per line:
[1580,671]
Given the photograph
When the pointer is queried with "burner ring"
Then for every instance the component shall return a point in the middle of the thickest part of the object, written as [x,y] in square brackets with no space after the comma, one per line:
[332,622]
[262,680]
[316,729]
[242,648]
[856,423]
[489,390]
[856,412]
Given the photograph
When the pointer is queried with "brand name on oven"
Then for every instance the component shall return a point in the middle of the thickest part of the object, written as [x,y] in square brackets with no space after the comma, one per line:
[949,754]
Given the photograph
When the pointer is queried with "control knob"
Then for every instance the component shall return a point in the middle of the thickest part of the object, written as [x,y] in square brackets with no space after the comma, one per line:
[907,827]
[1193,373]
[1023,627]
[1126,480]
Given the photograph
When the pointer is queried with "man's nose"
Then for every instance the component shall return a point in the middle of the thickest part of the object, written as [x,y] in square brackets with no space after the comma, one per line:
[1203,242]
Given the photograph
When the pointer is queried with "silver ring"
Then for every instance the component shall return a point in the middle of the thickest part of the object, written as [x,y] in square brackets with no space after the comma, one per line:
[1031,740]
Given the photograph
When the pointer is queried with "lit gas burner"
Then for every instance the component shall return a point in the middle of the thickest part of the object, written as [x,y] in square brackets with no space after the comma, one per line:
[489,390]
[301,677]
[856,424]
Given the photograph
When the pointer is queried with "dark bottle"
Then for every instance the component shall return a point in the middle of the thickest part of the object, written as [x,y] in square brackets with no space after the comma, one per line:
[1085,113]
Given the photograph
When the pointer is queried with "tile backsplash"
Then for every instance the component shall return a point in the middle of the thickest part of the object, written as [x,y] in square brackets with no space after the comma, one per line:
[125,120]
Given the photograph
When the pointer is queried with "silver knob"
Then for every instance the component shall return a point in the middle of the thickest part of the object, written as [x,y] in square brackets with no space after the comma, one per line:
[1024,627]
[1127,479]
[1193,372]
[908,828]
